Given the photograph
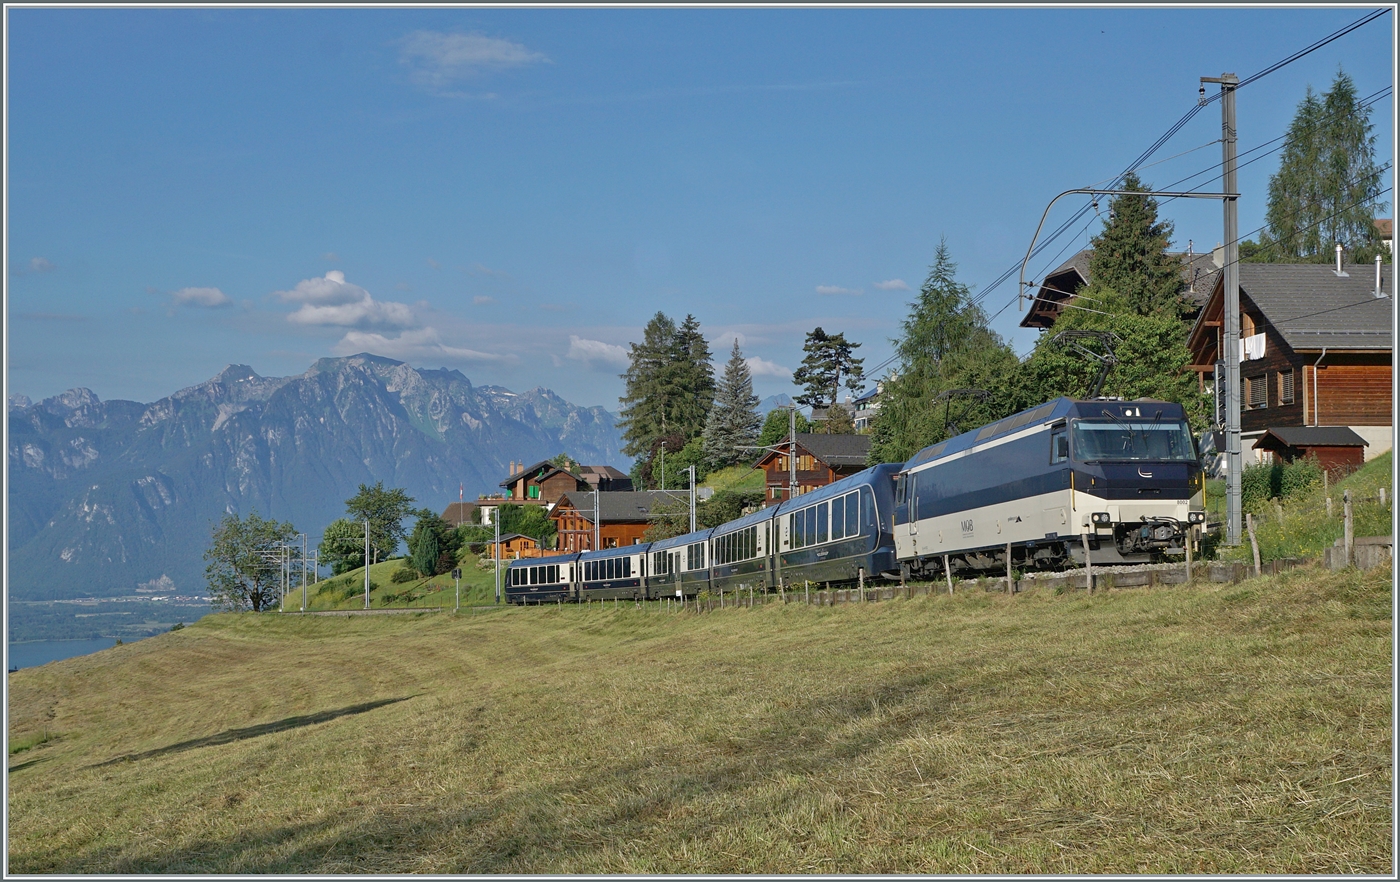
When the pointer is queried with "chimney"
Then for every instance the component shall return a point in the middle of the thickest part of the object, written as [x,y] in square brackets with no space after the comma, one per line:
[1217,256]
[1379,293]
[512,468]
[1341,273]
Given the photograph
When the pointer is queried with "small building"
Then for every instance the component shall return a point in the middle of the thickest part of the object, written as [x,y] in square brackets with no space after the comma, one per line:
[1315,349]
[821,459]
[541,483]
[623,517]
[1336,448]
[514,546]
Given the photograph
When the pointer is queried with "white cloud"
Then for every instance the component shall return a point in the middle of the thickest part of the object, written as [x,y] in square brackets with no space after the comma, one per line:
[893,285]
[211,297]
[482,300]
[435,59]
[759,367]
[41,265]
[331,300]
[589,351]
[833,289]
[415,346]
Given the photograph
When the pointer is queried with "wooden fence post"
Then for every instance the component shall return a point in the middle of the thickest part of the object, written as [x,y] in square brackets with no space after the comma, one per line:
[948,572]
[1348,537]
[1088,565]
[1253,542]
[1278,510]
[1190,535]
[1010,585]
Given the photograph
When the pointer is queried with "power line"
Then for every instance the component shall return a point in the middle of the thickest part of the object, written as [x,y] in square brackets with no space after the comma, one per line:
[1176,127]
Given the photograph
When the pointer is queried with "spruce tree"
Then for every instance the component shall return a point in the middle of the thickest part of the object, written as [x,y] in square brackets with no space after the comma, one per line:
[1324,190]
[945,344]
[692,380]
[1130,255]
[649,386]
[734,419]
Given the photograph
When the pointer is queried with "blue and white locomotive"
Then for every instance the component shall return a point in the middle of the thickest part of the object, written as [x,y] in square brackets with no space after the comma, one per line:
[1121,476]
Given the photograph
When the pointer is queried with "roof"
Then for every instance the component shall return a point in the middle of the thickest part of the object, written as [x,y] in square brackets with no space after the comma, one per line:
[1312,436]
[509,536]
[459,511]
[619,505]
[836,450]
[1198,272]
[525,472]
[1311,307]
[1385,226]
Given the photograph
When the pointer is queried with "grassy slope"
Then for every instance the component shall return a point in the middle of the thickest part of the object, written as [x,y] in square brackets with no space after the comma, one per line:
[1202,729]
[347,591]
[1306,529]
[735,478]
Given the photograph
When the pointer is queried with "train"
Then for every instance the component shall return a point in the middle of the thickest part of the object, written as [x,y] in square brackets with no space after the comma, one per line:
[1119,481]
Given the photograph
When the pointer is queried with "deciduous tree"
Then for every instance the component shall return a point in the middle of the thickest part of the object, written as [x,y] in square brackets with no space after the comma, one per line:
[385,510]
[244,572]
[342,546]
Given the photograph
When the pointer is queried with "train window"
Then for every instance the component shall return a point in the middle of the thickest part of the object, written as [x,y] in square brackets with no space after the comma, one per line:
[822,522]
[1059,445]
[838,517]
[899,486]
[627,568]
[853,513]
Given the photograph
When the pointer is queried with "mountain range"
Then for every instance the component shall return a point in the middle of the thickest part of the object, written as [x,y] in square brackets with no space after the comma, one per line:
[106,495]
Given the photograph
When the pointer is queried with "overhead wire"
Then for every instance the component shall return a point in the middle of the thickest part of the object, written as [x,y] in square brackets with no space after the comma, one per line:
[1171,132]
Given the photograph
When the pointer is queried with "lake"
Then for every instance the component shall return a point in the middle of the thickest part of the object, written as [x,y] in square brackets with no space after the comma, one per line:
[41,652]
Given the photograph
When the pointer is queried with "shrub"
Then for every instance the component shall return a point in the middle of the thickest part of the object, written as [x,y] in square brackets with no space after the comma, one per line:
[403,574]
[1261,482]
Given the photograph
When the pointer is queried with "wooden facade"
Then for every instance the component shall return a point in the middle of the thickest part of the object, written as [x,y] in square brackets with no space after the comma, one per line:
[821,460]
[514,546]
[1318,349]
[624,517]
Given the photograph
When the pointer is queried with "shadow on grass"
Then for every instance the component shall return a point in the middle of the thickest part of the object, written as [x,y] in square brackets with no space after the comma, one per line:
[24,765]
[230,735]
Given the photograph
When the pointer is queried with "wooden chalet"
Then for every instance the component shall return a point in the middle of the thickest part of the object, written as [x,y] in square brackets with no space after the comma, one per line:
[1316,350]
[623,516]
[821,459]
[514,546]
[1060,286]
[544,483]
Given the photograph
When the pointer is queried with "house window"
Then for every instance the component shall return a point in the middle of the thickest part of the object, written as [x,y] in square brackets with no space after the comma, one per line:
[534,491]
[1285,387]
[1256,392]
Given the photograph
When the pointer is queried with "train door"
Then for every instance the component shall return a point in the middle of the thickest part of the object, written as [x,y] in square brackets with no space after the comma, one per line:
[911,524]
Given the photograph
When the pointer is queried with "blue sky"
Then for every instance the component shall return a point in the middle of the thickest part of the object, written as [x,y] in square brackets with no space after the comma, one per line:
[513,193]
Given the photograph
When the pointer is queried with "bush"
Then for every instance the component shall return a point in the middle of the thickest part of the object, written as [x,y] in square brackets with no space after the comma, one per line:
[404,574]
[1261,482]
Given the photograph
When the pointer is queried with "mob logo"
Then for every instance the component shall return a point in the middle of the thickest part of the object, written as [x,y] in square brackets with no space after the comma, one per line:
[967,527]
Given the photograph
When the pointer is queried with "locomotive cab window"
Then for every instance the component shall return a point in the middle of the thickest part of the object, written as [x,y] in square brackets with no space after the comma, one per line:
[1118,440]
[1059,444]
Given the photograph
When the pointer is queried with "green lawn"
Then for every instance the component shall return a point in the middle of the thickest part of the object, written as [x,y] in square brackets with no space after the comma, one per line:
[1185,730]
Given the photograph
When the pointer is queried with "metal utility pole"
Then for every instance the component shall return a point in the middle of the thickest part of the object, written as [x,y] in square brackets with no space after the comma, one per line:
[303,572]
[366,563]
[792,451]
[691,469]
[1231,318]
[596,532]
[497,554]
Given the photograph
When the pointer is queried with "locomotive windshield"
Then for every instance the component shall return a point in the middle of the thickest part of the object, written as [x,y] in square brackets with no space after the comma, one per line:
[1132,440]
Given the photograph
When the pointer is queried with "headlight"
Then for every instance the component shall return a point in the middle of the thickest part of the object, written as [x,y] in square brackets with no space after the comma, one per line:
[1196,517]
[1100,518]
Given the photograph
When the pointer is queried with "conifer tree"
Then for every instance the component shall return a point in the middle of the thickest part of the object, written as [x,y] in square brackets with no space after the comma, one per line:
[1324,192]
[945,344]
[692,380]
[830,359]
[1130,255]
[734,419]
[648,386]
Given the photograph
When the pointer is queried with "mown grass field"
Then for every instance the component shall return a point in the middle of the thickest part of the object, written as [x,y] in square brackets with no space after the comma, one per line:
[1192,729]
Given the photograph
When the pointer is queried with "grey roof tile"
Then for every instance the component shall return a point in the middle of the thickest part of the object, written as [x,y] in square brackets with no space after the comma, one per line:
[1311,307]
